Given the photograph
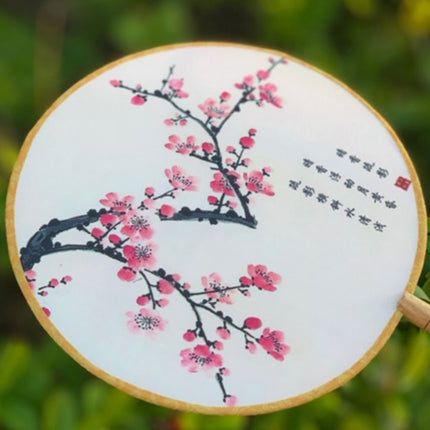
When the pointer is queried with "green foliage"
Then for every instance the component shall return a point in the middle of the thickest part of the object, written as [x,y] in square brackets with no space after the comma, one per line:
[380,48]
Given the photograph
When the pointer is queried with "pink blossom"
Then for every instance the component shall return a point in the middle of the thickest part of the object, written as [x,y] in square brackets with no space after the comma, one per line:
[267,93]
[47,312]
[140,256]
[255,183]
[169,122]
[162,303]
[138,100]
[115,82]
[223,333]
[149,203]
[229,161]
[143,300]
[176,84]
[187,285]
[136,226]
[247,142]
[253,323]
[249,80]
[215,290]
[231,400]
[200,358]
[165,287]
[182,94]
[272,342]
[189,336]
[262,278]
[284,61]
[252,131]
[208,147]
[246,162]
[180,180]
[145,320]
[184,148]
[30,275]
[44,293]
[53,282]
[117,204]
[167,211]
[212,200]
[127,274]
[213,109]
[115,239]
[183,122]
[66,279]
[251,347]
[262,74]
[225,95]
[232,204]
[176,277]
[218,345]
[221,184]
[97,232]
[149,191]
[267,170]
[230,149]
[108,220]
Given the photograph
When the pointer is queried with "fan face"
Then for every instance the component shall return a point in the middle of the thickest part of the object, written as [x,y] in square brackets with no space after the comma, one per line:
[216,228]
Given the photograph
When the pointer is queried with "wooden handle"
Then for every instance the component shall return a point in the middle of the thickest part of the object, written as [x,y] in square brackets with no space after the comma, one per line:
[415,310]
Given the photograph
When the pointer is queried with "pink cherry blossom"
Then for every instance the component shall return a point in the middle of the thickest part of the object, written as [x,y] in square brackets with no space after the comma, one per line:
[189,336]
[221,184]
[54,282]
[184,148]
[180,180]
[97,232]
[143,300]
[253,323]
[176,84]
[252,131]
[267,170]
[140,256]
[225,95]
[162,303]
[183,122]
[208,147]
[232,204]
[145,320]
[231,400]
[200,358]
[66,279]
[251,347]
[212,200]
[255,182]
[47,312]
[127,274]
[229,161]
[215,290]
[167,211]
[262,74]
[262,278]
[246,162]
[213,109]
[218,345]
[149,191]
[246,142]
[30,275]
[165,287]
[138,100]
[149,203]
[136,226]
[249,80]
[272,342]
[108,220]
[44,293]
[116,203]
[223,333]
[230,149]
[115,82]
[115,239]
[267,93]
[169,122]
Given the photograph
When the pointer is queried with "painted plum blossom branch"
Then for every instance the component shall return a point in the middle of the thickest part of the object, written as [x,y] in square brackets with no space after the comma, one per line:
[123,230]
[232,187]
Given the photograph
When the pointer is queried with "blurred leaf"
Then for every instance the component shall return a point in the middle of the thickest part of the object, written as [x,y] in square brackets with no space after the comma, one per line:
[59,411]
[190,421]
[421,293]
[358,421]
[14,360]
[416,362]
[364,8]
[144,27]
[16,414]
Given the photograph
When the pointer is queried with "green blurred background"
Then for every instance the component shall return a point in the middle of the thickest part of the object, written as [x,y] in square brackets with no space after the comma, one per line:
[380,48]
